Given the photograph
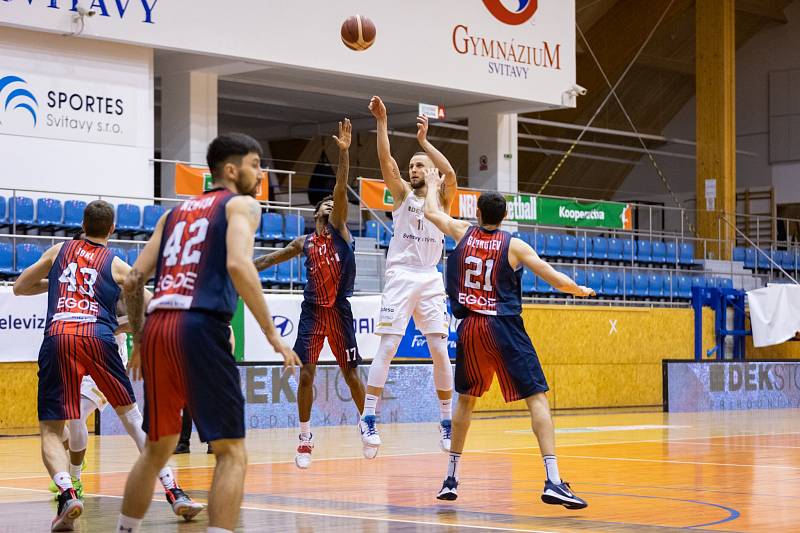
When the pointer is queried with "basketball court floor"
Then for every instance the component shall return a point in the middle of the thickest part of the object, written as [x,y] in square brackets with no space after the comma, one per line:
[640,471]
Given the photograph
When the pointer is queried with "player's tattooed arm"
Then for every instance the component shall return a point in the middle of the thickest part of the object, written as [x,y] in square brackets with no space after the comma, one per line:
[389,169]
[293,249]
[433,208]
[338,216]
[33,279]
[450,184]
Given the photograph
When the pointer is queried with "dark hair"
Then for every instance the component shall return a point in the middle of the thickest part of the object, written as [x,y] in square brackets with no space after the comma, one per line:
[227,146]
[98,218]
[319,204]
[493,208]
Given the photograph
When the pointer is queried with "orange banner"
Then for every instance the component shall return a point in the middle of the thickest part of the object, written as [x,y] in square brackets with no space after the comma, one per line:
[377,196]
[191,181]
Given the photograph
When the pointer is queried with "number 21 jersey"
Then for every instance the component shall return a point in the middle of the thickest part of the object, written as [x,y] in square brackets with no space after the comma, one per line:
[191,272]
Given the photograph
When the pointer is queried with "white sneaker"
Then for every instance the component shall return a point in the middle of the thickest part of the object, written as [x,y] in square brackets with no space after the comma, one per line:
[445,431]
[304,449]
[370,438]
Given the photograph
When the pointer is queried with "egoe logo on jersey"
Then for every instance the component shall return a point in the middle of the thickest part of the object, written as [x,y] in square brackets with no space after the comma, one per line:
[512,12]
[283,325]
[16,97]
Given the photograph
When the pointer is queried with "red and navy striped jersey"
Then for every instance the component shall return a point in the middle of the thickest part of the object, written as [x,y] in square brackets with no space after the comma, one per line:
[331,267]
[82,294]
[191,272]
[479,276]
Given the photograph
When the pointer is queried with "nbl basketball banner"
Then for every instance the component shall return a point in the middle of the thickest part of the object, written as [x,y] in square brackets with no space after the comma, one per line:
[376,195]
[191,181]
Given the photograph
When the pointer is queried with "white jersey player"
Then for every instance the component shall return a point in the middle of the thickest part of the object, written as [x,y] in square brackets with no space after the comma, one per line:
[413,285]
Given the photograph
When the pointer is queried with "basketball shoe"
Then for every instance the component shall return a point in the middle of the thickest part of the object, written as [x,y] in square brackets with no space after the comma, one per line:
[370,439]
[449,490]
[561,494]
[304,449]
[70,508]
[445,430]
[182,504]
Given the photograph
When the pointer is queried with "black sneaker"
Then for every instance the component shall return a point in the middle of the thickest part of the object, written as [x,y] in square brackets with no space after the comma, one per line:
[70,508]
[182,504]
[182,447]
[561,495]
[449,490]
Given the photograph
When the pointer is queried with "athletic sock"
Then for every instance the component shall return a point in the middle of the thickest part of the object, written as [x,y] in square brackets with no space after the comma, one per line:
[370,404]
[305,429]
[445,409]
[453,464]
[75,471]
[167,478]
[126,524]
[551,467]
[63,481]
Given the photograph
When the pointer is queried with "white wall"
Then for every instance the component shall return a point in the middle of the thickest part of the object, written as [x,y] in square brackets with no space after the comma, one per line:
[97,149]
[772,49]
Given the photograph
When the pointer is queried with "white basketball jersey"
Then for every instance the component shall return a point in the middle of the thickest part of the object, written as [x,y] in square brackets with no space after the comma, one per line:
[416,242]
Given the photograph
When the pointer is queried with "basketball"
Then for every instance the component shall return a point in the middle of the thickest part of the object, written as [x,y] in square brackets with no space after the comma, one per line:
[358,33]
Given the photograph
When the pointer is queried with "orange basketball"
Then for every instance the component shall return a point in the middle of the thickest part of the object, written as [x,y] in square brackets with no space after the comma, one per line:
[358,33]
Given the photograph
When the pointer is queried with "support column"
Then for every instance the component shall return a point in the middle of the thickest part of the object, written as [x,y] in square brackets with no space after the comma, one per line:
[188,120]
[493,151]
[716,123]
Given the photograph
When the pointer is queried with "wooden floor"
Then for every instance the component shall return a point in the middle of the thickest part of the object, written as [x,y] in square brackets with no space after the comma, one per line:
[639,472]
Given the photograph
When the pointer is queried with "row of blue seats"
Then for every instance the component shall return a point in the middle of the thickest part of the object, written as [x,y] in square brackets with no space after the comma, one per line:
[752,259]
[277,227]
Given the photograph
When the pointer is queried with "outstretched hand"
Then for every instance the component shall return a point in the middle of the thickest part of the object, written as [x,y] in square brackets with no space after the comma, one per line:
[422,129]
[377,108]
[584,292]
[433,178]
[345,135]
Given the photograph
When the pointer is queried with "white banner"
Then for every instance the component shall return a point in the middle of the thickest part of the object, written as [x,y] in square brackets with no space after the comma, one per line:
[520,50]
[21,326]
[285,309]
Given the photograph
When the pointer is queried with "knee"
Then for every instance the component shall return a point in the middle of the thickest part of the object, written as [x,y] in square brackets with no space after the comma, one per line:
[467,402]
[230,450]
[307,374]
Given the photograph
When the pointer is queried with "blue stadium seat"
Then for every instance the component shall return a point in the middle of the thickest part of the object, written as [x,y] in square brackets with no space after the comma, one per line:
[24,213]
[48,213]
[644,251]
[580,277]
[627,250]
[761,259]
[542,286]
[779,257]
[700,281]
[611,283]
[584,248]
[269,275]
[528,237]
[594,280]
[6,259]
[599,248]
[370,229]
[725,283]
[684,287]
[129,218]
[640,285]
[386,236]
[552,245]
[150,216]
[528,281]
[449,243]
[655,285]
[615,248]
[738,254]
[671,253]
[73,214]
[569,246]
[295,225]
[3,211]
[297,275]
[537,241]
[271,227]
[686,254]
[132,256]
[628,284]
[27,254]
[659,254]
[285,272]
[750,258]
[789,260]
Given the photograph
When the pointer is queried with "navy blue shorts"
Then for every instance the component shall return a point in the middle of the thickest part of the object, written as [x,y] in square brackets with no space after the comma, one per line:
[335,323]
[489,345]
[64,360]
[187,361]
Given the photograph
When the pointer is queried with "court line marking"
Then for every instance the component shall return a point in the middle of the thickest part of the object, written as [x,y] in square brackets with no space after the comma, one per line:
[493,450]
[328,515]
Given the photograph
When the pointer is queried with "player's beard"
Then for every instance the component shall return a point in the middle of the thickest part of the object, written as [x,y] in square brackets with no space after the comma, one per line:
[240,185]
[418,184]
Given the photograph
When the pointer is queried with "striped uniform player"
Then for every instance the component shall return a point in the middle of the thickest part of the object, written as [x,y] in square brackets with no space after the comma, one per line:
[201,254]
[484,275]
[325,313]
[413,287]
[82,278]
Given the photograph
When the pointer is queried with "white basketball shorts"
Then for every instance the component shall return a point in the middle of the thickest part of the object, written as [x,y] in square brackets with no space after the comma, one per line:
[413,292]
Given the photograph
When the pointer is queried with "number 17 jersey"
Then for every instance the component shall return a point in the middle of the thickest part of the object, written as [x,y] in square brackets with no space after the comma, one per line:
[191,272]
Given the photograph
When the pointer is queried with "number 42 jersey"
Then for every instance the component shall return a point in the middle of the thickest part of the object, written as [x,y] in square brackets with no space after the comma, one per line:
[191,272]
[480,278]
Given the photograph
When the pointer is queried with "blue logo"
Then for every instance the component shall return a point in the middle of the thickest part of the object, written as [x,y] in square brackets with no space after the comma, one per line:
[283,325]
[18,96]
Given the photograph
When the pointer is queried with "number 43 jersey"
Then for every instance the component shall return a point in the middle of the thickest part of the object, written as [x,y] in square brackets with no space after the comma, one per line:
[479,276]
[191,272]
[82,294]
